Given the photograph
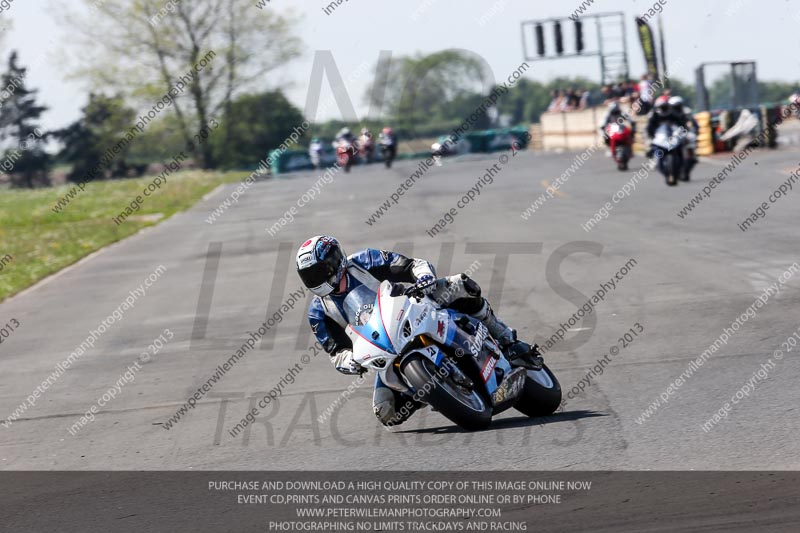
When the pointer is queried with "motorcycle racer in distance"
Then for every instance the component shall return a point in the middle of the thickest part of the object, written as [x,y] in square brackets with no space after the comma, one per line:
[366,145]
[331,276]
[687,120]
[315,150]
[684,113]
[662,112]
[388,143]
[387,134]
[344,134]
[794,101]
[615,114]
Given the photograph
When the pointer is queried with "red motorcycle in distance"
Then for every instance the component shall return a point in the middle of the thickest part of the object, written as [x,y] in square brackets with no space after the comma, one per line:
[620,139]
[345,154]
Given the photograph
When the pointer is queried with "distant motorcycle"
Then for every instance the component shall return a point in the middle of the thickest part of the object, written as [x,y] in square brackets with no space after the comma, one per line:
[667,146]
[366,148]
[345,154]
[315,151]
[689,151]
[388,150]
[619,138]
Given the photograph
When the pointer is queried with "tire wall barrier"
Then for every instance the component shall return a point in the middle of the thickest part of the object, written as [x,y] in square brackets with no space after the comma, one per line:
[705,136]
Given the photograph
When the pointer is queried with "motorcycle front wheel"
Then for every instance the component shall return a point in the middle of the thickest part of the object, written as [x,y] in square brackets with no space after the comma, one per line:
[668,169]
[466,408]
[541,395]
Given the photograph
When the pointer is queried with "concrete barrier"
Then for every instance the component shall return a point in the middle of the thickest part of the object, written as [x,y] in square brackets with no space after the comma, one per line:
[578,130]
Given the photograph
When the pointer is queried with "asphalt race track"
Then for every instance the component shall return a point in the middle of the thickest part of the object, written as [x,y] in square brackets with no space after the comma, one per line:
[691,278]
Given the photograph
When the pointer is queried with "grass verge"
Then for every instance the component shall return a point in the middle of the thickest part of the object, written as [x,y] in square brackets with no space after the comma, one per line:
[36,242]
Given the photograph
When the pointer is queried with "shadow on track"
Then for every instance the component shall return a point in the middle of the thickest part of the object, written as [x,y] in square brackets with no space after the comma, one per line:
[512,422]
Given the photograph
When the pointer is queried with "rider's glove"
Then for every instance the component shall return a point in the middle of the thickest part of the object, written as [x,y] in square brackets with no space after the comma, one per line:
[344,363]
[425,285]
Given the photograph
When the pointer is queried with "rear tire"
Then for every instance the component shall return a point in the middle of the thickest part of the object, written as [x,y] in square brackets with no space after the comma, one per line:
[537,399]
[420,372]
[685,171]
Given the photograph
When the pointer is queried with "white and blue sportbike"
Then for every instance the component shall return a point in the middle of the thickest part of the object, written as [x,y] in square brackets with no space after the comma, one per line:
[443,358]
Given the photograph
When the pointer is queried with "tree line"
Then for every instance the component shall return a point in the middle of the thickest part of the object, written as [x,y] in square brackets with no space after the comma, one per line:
[202,77]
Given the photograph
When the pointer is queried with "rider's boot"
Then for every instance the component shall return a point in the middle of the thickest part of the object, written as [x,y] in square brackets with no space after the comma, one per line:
[519,353]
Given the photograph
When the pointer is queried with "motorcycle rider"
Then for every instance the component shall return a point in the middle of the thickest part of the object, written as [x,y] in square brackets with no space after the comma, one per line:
[330,276]
[315,151]
[684,113]
[686,119]
[388,143]
[614,114]
[365,143]
[344,134]
[662,113]
[387,136]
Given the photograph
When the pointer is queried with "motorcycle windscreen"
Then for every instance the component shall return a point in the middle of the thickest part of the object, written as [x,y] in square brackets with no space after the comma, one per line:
[362,312]
[667,137]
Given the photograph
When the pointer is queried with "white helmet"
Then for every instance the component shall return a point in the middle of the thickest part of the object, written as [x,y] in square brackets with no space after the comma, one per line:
[677,103]
[321,264]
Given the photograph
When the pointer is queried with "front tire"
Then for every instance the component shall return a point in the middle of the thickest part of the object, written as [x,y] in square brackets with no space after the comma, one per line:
[669,170]
[541,395]
[472,411]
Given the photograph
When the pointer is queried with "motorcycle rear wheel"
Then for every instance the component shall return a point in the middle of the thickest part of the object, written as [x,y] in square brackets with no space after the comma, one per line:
[685,172]
[541,395]
[472,412]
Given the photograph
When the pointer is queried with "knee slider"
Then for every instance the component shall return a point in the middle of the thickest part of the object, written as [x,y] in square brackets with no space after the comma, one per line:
[383,405]
[384,411]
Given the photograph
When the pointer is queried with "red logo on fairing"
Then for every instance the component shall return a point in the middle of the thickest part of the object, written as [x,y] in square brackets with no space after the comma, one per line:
[440,329]
[486,371]
[306,243]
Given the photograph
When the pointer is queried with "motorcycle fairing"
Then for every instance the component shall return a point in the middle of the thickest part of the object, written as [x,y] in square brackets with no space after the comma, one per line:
[396,321]
[668,137]
[479,346]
